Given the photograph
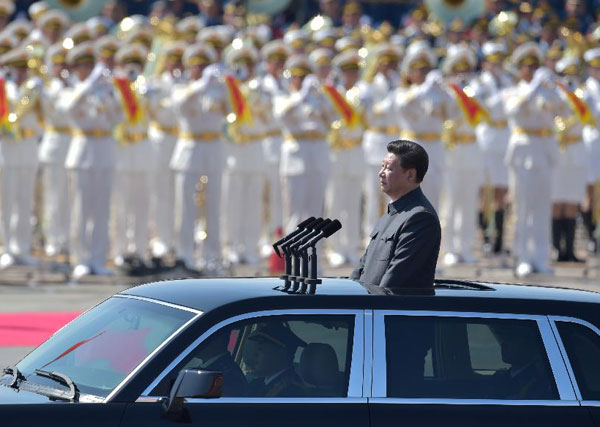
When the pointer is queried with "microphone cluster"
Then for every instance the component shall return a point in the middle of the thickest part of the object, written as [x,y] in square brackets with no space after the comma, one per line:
[294,248]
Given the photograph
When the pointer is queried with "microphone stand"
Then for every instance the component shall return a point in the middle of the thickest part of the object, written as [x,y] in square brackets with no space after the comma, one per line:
[312,281]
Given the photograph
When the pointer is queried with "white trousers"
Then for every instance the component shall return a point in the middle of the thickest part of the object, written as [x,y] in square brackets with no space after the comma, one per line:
[460,210]
[304,197]
[533,213]
[373,198]
[57,215]
[91,191]
[273,180]
[186,212]
[162,202]
[343,203]
[242,219]
[17,208]
[130,213]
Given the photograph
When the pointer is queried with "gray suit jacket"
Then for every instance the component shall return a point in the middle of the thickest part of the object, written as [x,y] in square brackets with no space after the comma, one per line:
[404,245]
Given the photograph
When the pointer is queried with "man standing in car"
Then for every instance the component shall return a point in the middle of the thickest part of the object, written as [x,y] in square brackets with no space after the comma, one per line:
[405,243]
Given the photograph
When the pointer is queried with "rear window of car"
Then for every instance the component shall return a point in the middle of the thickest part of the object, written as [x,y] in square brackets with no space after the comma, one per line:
[583,349]
[466,358]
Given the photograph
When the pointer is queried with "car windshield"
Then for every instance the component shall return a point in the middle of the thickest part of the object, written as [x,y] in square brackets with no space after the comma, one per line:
[104,345]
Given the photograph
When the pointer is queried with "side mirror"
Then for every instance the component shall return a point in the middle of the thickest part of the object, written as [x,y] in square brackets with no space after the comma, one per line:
[192,383]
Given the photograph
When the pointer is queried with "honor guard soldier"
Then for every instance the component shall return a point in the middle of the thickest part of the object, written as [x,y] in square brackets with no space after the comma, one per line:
[493,135]
[325,38]
[20,28]
[98,26]
[306,118]
[131,191]
[106,47]
[7,8]
[569,177]
[297,40]
[216,38]
[201,107]
[94,111]
[52,24]
[591,139]
[347,159]
[420,112]
[275,53]
[321,60]
[243,181]
[531,107]
[187,29]
[378,132]
[20,129]
[78,33]
[464,161]
[162,133]
[53,153]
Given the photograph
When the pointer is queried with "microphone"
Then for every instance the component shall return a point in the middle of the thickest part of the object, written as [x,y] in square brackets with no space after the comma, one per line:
[315,231]
[324,233]
[307,230]
[302,226]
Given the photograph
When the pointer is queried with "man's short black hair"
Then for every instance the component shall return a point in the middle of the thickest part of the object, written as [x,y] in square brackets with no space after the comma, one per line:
[412,156]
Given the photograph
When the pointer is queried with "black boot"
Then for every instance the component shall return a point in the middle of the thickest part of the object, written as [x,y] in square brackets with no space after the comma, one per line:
[590,229]
[556,235]
[483,225]
[499,225]
[570,240]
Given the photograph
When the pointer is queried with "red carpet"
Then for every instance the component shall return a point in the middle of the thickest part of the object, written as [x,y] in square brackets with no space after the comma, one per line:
[31,328]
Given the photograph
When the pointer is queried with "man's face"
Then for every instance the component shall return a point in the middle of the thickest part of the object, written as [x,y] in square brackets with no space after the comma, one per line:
[526,71]
[83,70]
[417,75]
[393,178]
[263,358]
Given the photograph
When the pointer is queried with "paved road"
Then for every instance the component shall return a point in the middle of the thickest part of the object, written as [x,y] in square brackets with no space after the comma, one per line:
[29,289]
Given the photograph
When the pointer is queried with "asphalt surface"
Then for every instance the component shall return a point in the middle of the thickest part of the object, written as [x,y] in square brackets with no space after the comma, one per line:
[46,287]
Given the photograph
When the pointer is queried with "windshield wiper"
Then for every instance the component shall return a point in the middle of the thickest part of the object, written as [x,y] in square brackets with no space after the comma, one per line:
[17,376]
[61,378]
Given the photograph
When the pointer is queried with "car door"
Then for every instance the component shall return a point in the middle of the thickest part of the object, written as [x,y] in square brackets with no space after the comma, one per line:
[579,342]
[323,385]
[469,369]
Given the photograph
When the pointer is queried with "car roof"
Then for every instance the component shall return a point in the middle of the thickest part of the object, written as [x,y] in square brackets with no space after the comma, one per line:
[208,294]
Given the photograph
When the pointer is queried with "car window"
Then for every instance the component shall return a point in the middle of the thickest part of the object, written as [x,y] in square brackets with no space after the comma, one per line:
[276,356]
[466,358]
[583,348]
[102,346]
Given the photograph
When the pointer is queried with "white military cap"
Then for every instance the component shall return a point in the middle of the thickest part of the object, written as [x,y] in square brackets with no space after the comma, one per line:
[299,65]
[568,65]
[419,55]
[106,46]
[131,53]
[326,37]
[173,51]
[190,25]
[54,19]
[37,9]
[259,34]
[82,53]
[213,36]
[78,33]
[98,26]
[275,49]
[592,57]
[296,39]
[320,56]
[7,8]
[459,58]
[56,54]
[387,52]
[494,52]
[139,35]
[347,42]
[347,60]
[17,57]
[527,53]
[7,42]
[241,53]
[20,28]
[199,54]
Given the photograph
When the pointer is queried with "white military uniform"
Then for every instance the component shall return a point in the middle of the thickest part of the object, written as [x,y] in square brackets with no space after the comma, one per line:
[94,111]
[19,166]
[52,155]
[305,159]
[131,195]
[375,139]
[162,133]
[347,175]
[243,179]
[201,107]
[591,134]
[531,156]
